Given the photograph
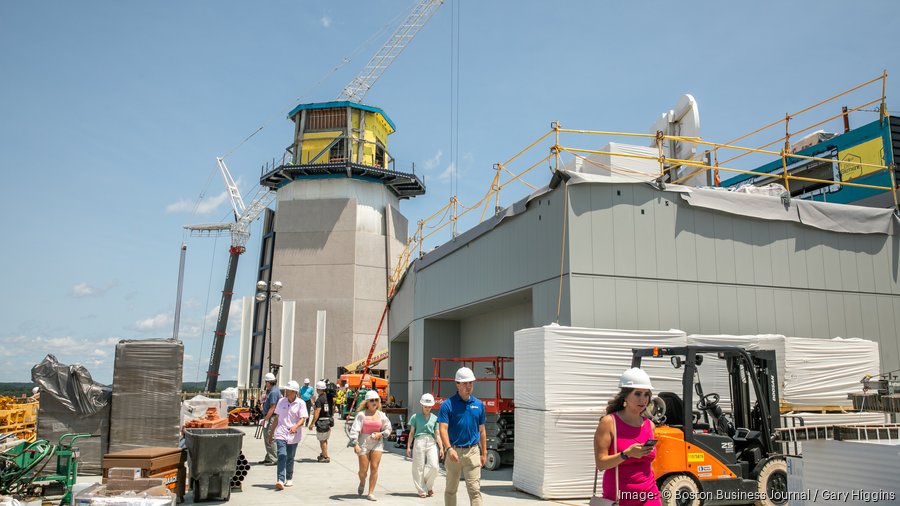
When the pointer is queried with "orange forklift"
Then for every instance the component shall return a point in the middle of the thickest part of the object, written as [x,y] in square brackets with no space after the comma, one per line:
[707,455]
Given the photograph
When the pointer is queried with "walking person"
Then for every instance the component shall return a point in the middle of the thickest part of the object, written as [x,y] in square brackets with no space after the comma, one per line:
[322,420]
[461,422]
[306,393]
[367,434]
[425,447]
[619,444]
[292,416]
[270,420]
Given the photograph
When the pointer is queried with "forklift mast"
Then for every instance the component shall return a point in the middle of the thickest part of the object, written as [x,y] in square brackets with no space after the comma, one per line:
[754,369]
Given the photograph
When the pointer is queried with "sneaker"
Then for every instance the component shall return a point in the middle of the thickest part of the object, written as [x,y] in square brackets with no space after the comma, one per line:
[289,483]
[371,497]
[326,460]
[320,458]
[279,485]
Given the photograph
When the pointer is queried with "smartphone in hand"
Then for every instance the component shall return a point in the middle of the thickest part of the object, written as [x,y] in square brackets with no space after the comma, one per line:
[650,443]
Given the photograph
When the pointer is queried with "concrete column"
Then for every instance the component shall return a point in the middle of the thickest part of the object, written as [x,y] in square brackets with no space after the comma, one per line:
[288,308]
[244,351]
[320,345]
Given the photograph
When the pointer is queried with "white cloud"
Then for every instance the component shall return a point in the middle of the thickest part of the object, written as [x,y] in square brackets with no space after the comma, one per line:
[206,206]
[100,353]
[326,21]
[88,290]
[449,172]
[434,161]
[154,323]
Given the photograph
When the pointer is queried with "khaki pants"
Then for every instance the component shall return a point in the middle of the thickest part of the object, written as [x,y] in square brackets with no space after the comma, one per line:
[469,466]
[269,439]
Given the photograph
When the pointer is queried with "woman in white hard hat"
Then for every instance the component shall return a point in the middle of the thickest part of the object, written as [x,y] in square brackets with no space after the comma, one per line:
[367,435]
[292,415]
[621,444]
[426,450]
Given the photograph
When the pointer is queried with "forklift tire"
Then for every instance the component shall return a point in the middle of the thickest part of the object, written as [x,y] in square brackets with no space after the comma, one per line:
[772,483]
[492,461]
[679,490]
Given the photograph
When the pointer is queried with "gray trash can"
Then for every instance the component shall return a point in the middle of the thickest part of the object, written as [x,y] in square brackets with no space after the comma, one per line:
[213,455]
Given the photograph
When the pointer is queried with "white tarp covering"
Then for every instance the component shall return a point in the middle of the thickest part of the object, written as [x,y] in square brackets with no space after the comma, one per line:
[850,472]
[821,372]
[556,460]
[578,368]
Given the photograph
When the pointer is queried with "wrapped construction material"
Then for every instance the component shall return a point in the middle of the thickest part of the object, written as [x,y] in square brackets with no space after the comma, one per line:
[579,368]
[821,372]
[146,405]
[196,407]
[72,402]
[556,459]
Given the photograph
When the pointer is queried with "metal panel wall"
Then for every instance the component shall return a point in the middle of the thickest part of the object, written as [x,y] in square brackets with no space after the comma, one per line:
[709,272]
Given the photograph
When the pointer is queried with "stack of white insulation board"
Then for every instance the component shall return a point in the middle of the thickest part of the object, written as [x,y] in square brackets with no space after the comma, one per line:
[566,375]
[564,378]
[811,372]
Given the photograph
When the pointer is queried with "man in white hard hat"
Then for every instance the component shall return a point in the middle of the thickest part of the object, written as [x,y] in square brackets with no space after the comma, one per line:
[270,420]
[461,422]
[306,393]
[322,421]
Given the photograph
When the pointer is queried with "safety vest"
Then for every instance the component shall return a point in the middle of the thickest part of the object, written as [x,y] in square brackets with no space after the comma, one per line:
[340,397]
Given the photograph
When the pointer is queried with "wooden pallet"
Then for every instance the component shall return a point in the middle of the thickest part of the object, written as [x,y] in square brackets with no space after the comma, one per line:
[787,407]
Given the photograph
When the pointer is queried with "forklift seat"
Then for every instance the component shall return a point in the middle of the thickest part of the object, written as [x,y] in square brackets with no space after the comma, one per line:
[674,408]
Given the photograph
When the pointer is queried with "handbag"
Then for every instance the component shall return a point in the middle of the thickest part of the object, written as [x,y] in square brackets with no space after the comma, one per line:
[599,500]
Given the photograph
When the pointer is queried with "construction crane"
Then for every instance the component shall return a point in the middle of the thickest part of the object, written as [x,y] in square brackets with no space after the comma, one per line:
[402,36]
[240,234]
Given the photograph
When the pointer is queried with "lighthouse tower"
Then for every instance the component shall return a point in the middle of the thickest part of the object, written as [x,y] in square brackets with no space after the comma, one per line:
[332,241]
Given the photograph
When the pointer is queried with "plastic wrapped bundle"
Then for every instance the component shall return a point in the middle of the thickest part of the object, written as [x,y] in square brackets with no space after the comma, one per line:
[146,405]
[821,372]
[556,460]
[579,368]
[72,402]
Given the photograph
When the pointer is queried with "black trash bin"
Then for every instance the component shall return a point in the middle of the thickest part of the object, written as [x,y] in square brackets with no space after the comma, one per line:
[213,456]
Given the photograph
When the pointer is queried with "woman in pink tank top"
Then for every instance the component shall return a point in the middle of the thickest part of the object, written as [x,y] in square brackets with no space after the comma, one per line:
[627,456]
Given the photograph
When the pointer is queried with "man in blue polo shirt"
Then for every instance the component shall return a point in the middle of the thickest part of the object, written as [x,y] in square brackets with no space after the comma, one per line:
[461,425]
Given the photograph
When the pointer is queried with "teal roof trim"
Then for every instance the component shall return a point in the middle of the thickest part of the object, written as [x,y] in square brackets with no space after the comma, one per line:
[329,105]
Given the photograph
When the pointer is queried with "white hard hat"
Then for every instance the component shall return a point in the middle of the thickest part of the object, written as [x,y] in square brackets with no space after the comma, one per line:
[464,375]
[292,385]
[270,377]
[427,400]
[320,385]
[372,394]
[35,390]
[635,378]
[306,381]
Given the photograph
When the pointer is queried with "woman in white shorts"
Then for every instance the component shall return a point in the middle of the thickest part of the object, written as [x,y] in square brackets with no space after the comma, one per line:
[367,435]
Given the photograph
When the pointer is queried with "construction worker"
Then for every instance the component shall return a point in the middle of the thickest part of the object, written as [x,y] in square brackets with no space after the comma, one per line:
[270,420]
[461,422]
[322,420]
[306,393]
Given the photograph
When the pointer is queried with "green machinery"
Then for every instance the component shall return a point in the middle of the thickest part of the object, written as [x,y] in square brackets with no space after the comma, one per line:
[22,468]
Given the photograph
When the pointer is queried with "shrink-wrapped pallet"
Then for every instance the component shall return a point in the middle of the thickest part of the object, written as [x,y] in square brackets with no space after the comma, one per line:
[578,368]
[821,372]
[146,404]
[73,403]
[555,452]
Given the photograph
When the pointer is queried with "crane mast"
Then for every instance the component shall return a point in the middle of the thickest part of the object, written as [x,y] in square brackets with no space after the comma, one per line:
[240,234]
[402,36]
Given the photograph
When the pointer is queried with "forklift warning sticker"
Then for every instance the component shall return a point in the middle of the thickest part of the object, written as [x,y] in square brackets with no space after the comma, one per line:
[695,457]
[704,469]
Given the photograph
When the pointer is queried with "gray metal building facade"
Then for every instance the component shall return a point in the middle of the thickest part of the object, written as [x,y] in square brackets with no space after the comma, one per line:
[636,257]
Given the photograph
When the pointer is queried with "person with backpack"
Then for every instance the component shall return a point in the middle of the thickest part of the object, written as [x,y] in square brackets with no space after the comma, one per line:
[322,420]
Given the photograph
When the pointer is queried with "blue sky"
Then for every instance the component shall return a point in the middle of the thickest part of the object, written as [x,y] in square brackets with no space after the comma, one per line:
[112,114]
